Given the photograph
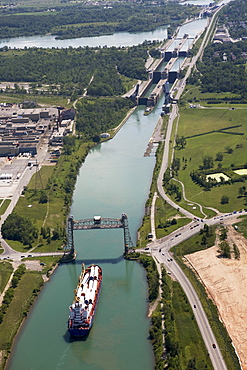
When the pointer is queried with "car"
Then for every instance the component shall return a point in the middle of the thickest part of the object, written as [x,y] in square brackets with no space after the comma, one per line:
[214,346]
[22,256]
[168,260]
[29,255]
[163,254]
[194,306]
[160,250]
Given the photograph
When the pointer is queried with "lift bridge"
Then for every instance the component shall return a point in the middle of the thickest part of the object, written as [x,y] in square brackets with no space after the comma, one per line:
[99,223]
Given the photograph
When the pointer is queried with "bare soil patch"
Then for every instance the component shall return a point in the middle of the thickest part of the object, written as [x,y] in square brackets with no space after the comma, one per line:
[226,282]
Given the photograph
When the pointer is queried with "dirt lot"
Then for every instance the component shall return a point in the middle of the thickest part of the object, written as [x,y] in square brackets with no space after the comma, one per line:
[226,281]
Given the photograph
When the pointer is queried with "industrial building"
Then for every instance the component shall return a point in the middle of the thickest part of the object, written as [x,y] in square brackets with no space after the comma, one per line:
[24,130]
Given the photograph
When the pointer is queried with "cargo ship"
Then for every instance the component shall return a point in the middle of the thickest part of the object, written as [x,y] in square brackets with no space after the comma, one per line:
[85,303]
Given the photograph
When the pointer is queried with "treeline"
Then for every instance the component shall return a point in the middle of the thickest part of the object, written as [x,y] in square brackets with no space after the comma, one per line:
[19,228]
[223,74]
[82,20]
[95,116]
[70,70]
[234,17]
[152,276]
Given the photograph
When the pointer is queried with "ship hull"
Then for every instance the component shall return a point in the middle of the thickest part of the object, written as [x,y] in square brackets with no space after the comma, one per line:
[83,309]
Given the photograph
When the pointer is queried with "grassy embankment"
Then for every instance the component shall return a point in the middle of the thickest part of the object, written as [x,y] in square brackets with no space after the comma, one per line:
[4,205]
[199,127]
[6,270]
[25,293]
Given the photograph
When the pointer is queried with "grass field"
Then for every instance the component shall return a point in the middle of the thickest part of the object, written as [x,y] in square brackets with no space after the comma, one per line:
[6,270]
[163,213]
[192,94]
[197,126]
[42,100]
[4,205]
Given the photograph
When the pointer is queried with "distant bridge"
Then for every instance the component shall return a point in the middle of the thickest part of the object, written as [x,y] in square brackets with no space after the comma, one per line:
[99,223]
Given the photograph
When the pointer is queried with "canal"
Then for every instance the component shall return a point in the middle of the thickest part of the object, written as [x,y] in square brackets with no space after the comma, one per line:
[115,178]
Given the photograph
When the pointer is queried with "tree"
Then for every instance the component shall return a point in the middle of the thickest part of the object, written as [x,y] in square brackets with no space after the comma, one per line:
[208,162]
[219,156]
[180,141]
[19,228]
[224,199]
[240,191]
[204,239]
[229,150]
[43,198]
[225,249]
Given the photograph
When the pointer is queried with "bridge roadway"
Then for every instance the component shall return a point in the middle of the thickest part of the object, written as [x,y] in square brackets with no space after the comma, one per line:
[103,223]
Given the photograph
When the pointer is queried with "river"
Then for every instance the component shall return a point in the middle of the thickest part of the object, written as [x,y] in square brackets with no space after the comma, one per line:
[115,178]
[117,39]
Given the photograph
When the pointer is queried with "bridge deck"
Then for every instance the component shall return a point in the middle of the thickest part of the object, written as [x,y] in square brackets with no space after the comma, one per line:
[103,223]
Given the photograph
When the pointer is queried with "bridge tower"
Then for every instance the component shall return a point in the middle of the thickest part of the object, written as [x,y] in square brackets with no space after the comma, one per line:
[127,238]
[70,235]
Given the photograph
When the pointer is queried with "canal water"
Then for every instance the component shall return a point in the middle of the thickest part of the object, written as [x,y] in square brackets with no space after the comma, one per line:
[115,178]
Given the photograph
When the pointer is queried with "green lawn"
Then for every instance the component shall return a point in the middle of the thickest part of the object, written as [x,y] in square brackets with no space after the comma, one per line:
[165,212]
[40,178]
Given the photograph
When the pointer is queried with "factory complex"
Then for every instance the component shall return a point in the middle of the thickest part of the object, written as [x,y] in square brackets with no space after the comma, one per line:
[24,130]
